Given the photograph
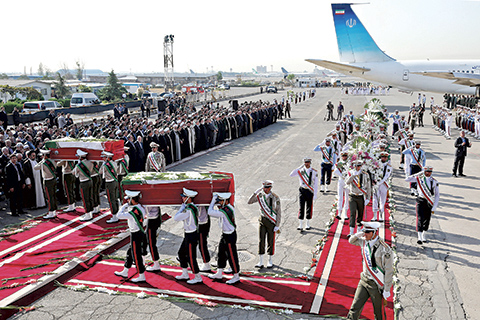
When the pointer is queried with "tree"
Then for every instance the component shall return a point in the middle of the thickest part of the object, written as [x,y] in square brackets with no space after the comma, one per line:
[219,76]
[61,90]
[80,69]
[113,89]
[23,77]
[84,88]
[4,76]
[65,71]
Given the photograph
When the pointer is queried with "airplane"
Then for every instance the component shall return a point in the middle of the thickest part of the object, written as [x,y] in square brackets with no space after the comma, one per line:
[299,74]
[267,75]
[361,57]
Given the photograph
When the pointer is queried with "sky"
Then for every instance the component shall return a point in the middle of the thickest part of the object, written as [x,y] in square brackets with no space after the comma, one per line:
[211,35]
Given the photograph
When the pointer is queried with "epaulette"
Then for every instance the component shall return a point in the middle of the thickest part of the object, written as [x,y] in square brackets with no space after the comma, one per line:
[275,195]
[384,244]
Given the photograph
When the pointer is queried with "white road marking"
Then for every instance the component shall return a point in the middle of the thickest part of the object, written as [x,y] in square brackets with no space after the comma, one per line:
[188,295]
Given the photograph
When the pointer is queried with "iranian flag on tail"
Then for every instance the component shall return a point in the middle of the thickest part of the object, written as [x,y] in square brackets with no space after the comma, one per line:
[66,148]
[339,11]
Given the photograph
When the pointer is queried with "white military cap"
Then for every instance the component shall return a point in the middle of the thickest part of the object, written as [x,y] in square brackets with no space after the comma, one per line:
[267,183]
[106,154]
[45,151]
[428,168]
[81,153]
[358,162]
[223,195]
[344,153]
[118,132]
[153,145]
[188,193]
[418,142]
[411,133]
[307,159]
[384,154]
[328,139]
[131,194]
[371,226]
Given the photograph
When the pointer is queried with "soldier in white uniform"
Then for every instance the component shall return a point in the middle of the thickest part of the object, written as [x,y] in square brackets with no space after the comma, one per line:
[428,196]
[329,158]
[269,220]
[134,213]
[381,188]
[341,168]
[308,178]
[227,247]
[187,254]
[155,160]
[376,279]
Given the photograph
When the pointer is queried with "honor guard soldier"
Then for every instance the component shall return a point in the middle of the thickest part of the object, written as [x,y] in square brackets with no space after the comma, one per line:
[270,218]
[308,178]
[329,158]
[83,171]
[427,200]
[203,231]
[123,166]
[96,183]
[358,182]
[414,163]
[154,221]
[381,188]
[68,183]
[376,279]
[405,140]
[134,213]
[187,254]
[48,168]
[155,160]
[341,169]
[227,247]
[109,172]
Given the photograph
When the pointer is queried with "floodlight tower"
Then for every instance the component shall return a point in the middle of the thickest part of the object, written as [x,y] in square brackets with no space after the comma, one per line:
[168,61]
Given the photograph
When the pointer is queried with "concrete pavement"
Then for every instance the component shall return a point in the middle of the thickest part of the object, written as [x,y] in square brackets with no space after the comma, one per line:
[437,280]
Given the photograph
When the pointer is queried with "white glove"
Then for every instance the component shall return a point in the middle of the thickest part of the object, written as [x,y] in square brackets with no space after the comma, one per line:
[258,190]
[183,207]
[386,294]
[275,229]
[367,202]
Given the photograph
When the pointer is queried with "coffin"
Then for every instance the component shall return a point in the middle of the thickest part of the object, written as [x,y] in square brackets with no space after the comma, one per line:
[66,148]
[164,188]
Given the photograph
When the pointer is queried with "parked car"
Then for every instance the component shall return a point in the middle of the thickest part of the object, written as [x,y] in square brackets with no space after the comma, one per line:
[148,95]
[224,86]
[41,105]
[84,99]
[271,89]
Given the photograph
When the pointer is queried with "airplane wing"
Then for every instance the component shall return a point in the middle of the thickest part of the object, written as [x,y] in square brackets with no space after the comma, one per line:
[465,79]
[339,67]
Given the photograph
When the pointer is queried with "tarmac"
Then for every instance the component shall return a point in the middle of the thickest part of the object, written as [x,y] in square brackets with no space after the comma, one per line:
[438,280]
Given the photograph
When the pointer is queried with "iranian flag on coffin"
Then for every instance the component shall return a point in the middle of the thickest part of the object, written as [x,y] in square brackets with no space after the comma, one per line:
[164,188]
[66,148]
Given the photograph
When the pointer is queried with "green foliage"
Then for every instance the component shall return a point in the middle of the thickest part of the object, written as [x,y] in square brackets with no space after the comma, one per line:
[219,76]
[23,77]
[61,90]
[31,93]
[113,89]
[4,76]
[9,106]
[84,88]
[290,76]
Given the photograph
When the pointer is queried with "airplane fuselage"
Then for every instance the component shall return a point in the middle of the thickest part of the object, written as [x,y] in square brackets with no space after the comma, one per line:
[400,74]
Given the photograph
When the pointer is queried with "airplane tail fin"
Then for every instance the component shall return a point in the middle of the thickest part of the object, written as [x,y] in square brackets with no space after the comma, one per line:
[254,71]
[284,71]
[354,42]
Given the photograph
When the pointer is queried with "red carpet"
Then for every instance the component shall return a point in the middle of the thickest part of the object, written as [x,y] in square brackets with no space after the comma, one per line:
[281,293]
[343,276]
[29,255]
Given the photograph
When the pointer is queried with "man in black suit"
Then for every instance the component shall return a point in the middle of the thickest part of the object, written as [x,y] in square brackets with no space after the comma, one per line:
[461,144]
[15,182]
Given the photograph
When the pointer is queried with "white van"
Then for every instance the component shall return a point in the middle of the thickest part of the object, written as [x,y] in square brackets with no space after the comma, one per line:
[84,99]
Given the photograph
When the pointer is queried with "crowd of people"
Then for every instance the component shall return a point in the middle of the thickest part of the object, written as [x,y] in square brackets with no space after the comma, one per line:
[179,131]
[364,90]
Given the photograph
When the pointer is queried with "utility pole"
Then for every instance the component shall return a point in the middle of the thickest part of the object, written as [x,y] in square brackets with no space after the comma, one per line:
[168,61]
